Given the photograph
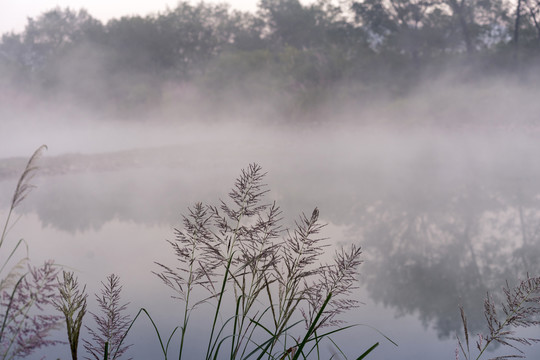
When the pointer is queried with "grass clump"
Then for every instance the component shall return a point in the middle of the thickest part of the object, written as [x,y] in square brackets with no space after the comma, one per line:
[112,324]
[275,277]
[26,291]
[235,251]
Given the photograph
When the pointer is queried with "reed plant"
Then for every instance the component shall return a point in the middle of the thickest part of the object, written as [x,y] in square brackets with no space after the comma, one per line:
[26,291]
[112,323]
[72,304]
[238,250]
[521,309]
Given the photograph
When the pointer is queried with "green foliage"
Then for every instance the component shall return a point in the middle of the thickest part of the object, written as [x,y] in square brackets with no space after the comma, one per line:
[298,53]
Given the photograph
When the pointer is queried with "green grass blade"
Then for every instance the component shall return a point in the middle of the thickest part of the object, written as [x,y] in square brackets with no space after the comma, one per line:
[312,328]
[6,315]
[268,342]
[367,351]
[106,356]
[222,292]
[339,349]
[233,351]
[216,343]
[219,346]
[13,252]
[379,332]
[163,348]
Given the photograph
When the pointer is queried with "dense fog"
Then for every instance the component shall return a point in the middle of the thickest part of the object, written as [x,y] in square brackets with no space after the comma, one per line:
[412,127]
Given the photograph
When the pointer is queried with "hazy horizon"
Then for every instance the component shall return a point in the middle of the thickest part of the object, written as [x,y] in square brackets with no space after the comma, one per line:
[415,137]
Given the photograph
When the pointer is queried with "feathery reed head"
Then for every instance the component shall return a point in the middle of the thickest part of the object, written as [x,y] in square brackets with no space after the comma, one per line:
[72,304]
[241,244]
[521,309]
[24,186]
[25,322]
[112,324]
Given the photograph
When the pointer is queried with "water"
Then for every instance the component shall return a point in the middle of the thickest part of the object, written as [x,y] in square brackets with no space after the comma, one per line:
[442,218]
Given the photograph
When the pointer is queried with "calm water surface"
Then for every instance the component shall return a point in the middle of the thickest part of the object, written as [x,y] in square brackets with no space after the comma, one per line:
[442,219]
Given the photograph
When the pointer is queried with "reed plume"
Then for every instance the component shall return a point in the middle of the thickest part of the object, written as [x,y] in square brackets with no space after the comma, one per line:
[72,304]
[26,291]
[241,244]
[112,324]
[26,325]
[23,188]
[521,310]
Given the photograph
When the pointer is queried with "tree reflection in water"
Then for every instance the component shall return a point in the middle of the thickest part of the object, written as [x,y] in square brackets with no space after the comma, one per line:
[430,251]
[440,223]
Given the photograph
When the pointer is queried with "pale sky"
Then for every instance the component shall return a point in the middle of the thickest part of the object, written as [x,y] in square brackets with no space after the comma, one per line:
[14,13]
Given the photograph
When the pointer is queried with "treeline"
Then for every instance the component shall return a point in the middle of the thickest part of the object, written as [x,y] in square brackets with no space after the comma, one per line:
[294,54]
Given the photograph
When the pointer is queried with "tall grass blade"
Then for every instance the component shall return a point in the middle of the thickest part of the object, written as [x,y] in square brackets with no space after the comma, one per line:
[72,304]
[312,328]
[23,187]
[240,244]
[366,353]
[8,308]
[216,314]
[164,348]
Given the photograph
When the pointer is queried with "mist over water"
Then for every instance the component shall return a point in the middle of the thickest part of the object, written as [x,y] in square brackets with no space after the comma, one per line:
[414,132]
[444,206]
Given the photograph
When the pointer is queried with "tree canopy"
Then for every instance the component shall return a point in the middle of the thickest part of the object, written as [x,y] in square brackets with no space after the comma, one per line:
[296,52]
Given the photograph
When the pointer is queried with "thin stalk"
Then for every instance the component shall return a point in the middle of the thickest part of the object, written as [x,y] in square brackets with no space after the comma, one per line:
[230,254]
[222,292]
[288,303]
[368,351]
[4,231]
[24,311]
[311,329]
[164,349]
[22,189]
[186,307]
[6,315]
[12,253]
[254,290]
[233,349]
[506,322]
